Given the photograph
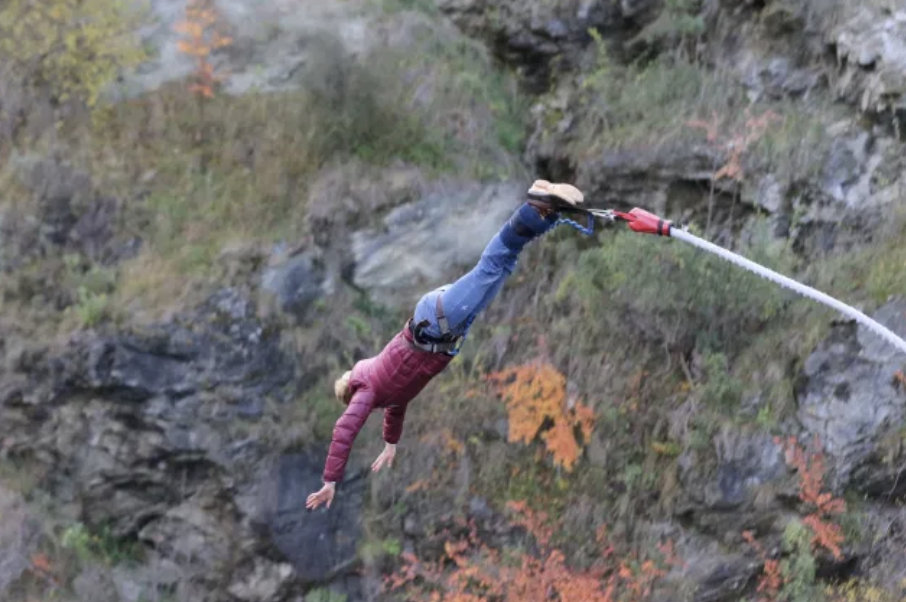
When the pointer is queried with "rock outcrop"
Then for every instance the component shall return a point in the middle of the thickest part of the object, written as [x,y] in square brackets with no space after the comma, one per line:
[175,435]
[851,398]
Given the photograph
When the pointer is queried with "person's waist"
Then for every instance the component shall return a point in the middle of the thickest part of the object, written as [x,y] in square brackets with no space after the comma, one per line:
[428,343]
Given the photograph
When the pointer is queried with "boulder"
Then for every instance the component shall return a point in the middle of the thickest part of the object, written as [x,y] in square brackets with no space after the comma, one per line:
[296,284]
[708,573]
[421,245]
[320,544]
[536,35]
[870,43]
[738,490]
[849,396]
[20,534]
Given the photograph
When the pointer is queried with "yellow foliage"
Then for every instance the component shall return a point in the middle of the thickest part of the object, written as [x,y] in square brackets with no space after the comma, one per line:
[535,394]
[856,590]
[71,47]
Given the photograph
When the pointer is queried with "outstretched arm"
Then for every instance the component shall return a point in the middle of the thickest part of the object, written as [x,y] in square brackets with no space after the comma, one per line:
[393,429]
[344,434]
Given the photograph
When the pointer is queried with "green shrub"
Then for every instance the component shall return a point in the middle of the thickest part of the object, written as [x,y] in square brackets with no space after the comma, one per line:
[92,308]
[798,565]
[721,390]
[322,594]
[676,293]
[101,546]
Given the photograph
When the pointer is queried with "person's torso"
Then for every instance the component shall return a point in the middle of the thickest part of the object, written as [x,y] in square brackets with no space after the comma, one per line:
[400,371]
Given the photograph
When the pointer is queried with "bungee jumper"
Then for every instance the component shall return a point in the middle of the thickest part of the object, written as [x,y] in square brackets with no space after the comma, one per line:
[442,317]
[432,337]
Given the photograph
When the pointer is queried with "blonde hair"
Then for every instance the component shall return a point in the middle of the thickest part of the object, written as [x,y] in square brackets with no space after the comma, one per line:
[341,388]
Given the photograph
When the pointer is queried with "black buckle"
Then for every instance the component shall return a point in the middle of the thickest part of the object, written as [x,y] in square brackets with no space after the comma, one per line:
[432,344]
[416,330]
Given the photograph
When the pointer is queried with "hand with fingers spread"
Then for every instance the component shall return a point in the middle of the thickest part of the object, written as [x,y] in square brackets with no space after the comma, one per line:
[325,494]
[386,457]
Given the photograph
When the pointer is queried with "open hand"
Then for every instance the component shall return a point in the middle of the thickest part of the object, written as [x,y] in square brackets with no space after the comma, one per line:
[319,497]
[386,457]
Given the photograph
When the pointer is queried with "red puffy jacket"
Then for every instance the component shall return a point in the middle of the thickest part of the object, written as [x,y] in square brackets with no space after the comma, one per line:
[390,381]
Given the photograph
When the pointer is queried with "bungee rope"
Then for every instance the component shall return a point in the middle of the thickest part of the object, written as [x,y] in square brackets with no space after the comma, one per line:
[647,223]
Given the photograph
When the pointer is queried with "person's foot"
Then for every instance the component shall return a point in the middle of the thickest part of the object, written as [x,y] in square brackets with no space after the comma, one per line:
[548,197]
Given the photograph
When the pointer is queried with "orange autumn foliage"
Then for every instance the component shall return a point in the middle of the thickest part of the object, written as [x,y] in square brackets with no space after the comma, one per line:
[810,467]
[470,571]
[202,38]
[771,579]
[535,396]
[823,506]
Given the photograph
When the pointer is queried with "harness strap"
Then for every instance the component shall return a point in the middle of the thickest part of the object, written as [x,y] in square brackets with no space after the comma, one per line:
[441,317]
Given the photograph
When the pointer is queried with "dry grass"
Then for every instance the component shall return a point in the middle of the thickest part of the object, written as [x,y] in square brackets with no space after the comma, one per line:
[651,106]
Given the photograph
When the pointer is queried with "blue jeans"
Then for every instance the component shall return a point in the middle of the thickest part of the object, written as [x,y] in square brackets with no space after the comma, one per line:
[464,299]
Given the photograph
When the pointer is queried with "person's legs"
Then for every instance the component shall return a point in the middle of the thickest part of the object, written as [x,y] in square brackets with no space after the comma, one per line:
[469,295]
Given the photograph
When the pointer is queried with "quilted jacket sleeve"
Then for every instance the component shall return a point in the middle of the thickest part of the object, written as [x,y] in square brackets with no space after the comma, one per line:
[345,432]
[394,416]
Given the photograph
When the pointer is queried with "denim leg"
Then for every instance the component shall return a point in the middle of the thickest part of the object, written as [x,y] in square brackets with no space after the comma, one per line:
[472,293]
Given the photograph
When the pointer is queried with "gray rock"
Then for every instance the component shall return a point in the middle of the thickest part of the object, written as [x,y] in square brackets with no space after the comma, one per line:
[848,396]
[95,584]
[770,195]
[345,197]
[148,581]
[709,571]
[167,433]
[872,44]
[422,243]
[297,284]
[858,183]
[774,76]
[19,538]
[531,35]
[736,490]
[319,544]
[264,583]
[646,177]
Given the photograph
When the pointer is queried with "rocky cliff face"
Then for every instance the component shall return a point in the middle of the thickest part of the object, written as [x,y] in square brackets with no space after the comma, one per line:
[185,436]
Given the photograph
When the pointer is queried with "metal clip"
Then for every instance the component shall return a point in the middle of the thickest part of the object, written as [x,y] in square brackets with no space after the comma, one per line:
[604,214]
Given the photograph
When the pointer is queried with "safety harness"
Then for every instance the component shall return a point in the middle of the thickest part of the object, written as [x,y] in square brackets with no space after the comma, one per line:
[448,343]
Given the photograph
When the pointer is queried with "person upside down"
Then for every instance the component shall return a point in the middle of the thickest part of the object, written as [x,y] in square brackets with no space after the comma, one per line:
[430,338]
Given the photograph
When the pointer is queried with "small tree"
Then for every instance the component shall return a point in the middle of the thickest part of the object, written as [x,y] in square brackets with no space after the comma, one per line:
[736,143]
[202,35]
[823,505]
